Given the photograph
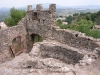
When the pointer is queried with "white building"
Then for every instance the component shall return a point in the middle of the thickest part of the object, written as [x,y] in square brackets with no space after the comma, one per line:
[59,18]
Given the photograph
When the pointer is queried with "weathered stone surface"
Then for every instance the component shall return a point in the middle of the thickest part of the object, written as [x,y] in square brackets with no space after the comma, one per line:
[29,7]
[39,7]
[75,39]
[59,52]
[6,38]
[32,64]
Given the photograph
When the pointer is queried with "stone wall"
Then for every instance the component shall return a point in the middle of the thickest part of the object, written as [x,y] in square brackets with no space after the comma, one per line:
[39,21]
[76,39]
[67,55]
[6,38]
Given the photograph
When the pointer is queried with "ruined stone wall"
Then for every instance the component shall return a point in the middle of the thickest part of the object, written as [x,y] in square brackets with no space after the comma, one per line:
[43,23]
[67,55]
[76,39]
[39,21]
[6,38]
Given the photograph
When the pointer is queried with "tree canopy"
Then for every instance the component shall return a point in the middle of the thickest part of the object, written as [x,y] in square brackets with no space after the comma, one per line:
[83,22]
[15,16]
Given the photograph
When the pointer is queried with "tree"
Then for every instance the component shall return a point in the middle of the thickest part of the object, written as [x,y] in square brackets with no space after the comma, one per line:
[88,17]
[59,22]
[83,26]
[15,16]
[61,16]
[84,23]
[69,19]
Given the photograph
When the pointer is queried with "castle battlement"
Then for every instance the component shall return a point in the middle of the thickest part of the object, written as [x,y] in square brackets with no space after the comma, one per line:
[42,16]
[39,7]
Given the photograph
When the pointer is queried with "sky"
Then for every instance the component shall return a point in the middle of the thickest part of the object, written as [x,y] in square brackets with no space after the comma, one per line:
[21,3]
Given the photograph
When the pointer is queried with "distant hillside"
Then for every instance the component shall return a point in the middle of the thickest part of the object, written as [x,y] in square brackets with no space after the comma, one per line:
[71,11]
[61,10]
[88,7]
[4,13]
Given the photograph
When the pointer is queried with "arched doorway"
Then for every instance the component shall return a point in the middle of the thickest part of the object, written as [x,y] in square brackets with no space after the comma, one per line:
[16,46]
[36,38]
[31,40]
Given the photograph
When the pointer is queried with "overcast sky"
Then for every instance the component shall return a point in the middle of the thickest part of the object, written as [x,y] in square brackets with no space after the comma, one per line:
[20,3]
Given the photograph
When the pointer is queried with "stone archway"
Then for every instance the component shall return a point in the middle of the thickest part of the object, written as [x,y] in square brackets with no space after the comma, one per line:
[16,46]
[31,39]
[36,38]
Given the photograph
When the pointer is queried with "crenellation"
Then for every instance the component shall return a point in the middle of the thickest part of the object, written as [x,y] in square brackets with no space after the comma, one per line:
[52,7]
[43,16]
[29,7]
[39,7]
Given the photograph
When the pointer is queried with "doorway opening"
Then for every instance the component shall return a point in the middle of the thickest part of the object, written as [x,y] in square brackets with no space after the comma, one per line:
[16,46]
[36,38]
